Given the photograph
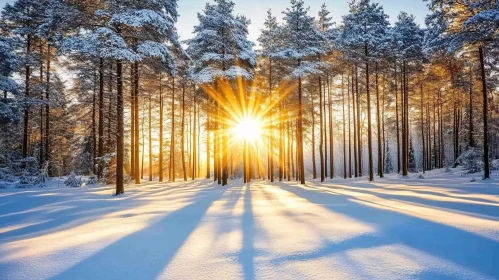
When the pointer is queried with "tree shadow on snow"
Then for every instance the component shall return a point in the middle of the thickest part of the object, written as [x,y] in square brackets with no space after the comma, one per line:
[146,253]
[452,244]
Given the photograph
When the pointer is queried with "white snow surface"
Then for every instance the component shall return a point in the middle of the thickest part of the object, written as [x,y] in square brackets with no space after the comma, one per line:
[441,227]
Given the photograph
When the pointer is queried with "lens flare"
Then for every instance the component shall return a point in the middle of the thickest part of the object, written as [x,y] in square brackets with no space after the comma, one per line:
[249,129]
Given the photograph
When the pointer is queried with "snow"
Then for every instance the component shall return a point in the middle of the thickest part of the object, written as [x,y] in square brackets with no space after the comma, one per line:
[440,227]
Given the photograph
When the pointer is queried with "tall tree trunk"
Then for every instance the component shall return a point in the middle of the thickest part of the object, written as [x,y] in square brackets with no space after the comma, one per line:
[422,127]
[359,127]
[369,130]
[47,112]
[161,111]
[378,115]
[344,128]
[150,138]
[331,131]
[143,144]
[108,147]
[42,133]
[172,135]
[321,128]
[184,171]
[314,166]
[405,125]
[354,112]
[194,142]
[208,156]
[94,124]
[101,117]
[136,77]
[325,128]
[281,140]
[198,160]
[120,129]
[300,133]
[26,96]
[132,126]
[350,78]
[270,149]
[470,131]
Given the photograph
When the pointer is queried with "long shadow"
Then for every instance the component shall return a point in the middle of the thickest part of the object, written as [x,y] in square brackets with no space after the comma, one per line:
[146,253]
[247,254]
[452,244]
[60,214]
[459,206]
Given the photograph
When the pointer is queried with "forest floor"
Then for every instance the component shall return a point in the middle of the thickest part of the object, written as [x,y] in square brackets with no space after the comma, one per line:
[441,227]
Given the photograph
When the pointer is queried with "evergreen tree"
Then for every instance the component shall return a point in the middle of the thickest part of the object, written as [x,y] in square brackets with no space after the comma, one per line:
[222,53]
[365,33]
[302,44]
[471,25]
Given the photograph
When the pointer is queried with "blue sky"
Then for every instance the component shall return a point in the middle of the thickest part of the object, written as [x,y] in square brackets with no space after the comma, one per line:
[256,10]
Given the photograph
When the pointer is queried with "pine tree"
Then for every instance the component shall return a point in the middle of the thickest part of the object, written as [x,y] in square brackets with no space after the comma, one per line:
[270,41]
[303,43]
[365,31]
[471,25]
[22,20]
[408,39]
[9,63]
[222,54]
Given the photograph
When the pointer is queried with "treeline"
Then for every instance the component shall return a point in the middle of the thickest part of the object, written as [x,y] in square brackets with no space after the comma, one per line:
[107,88]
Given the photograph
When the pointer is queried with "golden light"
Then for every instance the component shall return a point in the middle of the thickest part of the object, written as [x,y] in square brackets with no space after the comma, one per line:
[249,129]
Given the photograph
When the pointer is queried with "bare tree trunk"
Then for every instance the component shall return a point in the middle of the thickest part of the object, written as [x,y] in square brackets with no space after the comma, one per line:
[194,142]
[359,127]
[132,127]
[325,129]
[378,115]
[344,128]
[161,111]
[108,148]
[397,119]
[26,96]
[331,129]
[422,128]
[48,153]
[355,146]
[314,167]
[41,155]
[470,132]
[486,174]
[120,129]
[138,174]
[172,135]
[271,131]
[184,171]
[150,138]
[369,130]
[350,78]
[94,125]
[101,116]
[405,125]
[321,127]
[300,134]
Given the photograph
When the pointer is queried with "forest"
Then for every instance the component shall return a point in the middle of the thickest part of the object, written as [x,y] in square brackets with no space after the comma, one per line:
[107,89]
[357,142]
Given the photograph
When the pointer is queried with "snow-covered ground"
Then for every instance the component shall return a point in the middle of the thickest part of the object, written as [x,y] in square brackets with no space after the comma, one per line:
[441,227]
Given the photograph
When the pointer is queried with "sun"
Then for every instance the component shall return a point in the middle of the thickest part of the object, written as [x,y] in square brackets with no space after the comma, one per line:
[249,129]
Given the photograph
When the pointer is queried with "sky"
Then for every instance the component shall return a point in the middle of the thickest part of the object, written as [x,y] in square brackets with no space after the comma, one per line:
[256,11]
